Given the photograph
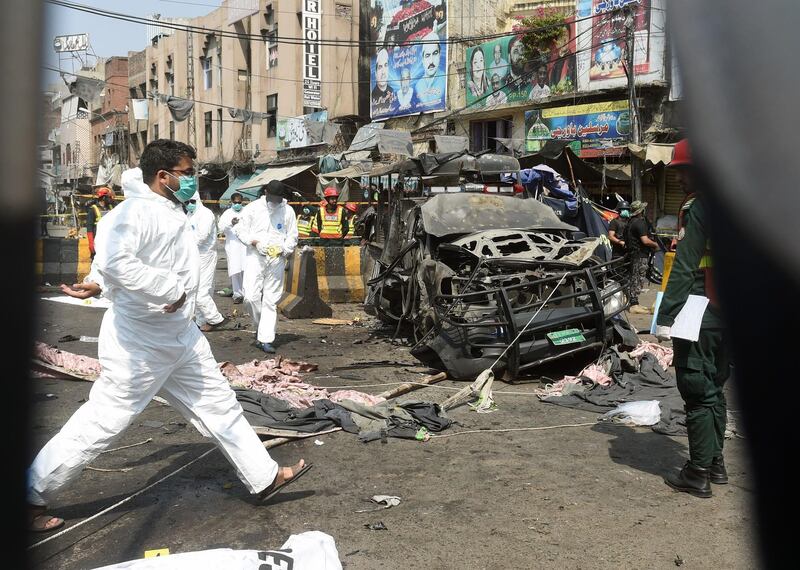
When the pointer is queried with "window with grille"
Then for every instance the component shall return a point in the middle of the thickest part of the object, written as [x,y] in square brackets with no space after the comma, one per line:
[272,115]
[209,129]
[208,73]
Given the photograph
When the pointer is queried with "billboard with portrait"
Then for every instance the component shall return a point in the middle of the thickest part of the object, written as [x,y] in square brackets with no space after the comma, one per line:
[602,42]
[500,72]
[408,57]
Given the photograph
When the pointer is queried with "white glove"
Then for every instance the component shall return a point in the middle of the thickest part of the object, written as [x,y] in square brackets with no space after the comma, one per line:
[663,333]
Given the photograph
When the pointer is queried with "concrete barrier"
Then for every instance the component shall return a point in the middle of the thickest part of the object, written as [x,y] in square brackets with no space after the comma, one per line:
[339,273]
[60,260]
[301,298]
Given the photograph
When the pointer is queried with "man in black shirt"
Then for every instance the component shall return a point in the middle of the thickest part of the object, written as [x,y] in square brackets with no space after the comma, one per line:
[382,96]
[617,227]
[638,245]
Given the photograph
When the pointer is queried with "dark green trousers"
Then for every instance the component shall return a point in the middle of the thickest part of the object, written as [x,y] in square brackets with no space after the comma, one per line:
[702,368]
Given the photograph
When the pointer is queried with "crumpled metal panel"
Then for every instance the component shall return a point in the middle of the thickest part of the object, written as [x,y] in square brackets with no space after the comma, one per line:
[448,214]
[528,245]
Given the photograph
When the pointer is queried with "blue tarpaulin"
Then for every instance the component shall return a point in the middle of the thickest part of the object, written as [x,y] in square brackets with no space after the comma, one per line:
[248,194]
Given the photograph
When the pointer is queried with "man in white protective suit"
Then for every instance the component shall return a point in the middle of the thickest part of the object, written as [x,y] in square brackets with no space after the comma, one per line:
[204,226]
[269,228]
[148,261]
[235,250]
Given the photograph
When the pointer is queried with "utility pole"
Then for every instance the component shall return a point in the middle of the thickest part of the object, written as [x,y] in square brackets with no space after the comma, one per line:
[636,176]
[190,85]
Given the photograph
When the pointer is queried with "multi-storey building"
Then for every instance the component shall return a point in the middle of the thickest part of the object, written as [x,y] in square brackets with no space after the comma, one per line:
[231,60]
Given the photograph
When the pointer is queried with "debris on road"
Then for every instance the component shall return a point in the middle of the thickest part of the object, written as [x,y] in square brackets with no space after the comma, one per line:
[376,526]
[333,322]
[384,502]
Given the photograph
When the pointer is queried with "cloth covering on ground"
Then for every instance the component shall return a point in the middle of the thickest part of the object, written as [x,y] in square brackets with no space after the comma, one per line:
[75,363]
[635,376]
[312,550]
[281,379]
[387,419]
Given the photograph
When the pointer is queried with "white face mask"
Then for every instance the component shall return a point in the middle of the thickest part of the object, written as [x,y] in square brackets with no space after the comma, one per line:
[272,205]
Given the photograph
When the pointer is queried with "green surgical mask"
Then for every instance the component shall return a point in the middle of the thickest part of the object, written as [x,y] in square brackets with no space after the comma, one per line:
[191,208]
[237,207]
[186,189]
[625,214]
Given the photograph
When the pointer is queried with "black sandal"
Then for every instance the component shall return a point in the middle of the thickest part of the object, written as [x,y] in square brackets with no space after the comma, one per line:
[273,489]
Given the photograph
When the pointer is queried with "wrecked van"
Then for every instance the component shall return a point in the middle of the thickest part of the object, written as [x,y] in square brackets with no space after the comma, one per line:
[461,274]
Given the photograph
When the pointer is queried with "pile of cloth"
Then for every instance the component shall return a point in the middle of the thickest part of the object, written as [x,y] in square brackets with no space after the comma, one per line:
[281,378]
[407,420]
[273,395]
[77,364]
[621,376]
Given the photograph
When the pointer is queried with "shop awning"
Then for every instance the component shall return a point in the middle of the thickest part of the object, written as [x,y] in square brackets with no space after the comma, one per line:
[386,141]
[355,171]
[653,152]
[563,160]
[275,173]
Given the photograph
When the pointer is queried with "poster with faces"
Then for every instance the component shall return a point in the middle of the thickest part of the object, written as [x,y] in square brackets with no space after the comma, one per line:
[408,57]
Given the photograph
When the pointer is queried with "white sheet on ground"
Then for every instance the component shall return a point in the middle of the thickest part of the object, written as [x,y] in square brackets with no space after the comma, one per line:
[311,550]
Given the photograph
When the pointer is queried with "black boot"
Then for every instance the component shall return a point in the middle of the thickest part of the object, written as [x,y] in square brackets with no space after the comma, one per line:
[718,475]
[692,480]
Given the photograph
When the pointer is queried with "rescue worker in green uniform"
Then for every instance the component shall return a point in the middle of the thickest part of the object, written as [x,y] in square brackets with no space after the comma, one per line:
[701,367]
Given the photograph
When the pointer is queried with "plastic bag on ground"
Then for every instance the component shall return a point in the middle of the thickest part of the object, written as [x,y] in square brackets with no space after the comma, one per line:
[643,413]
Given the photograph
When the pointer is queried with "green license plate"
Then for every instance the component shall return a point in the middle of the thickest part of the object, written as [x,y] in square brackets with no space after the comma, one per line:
[569,336]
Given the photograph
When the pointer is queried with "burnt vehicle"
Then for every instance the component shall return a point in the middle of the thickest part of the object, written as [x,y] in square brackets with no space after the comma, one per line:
[464,273]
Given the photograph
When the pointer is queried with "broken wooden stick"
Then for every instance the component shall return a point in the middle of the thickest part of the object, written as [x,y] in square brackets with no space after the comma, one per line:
[274,442]
[148,440]
[119,470]
[409,386]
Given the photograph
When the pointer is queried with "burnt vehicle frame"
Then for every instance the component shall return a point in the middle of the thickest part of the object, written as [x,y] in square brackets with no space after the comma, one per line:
[465,283]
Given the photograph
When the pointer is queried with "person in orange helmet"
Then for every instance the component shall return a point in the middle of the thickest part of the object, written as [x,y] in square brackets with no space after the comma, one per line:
[332,222]
[95,209]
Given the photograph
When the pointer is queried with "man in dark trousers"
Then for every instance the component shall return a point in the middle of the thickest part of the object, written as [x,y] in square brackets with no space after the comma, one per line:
[617,227]
[638,245]
[701,367]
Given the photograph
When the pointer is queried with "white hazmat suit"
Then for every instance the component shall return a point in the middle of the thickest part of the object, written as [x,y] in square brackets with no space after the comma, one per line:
[205,232]
[147,258]
[272,226]
[235,250]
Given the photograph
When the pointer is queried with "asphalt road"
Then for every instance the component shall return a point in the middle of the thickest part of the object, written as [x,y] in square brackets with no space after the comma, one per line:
[570,497]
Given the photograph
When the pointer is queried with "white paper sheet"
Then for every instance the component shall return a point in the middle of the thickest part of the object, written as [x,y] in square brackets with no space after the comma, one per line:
[95,303]
[687,323]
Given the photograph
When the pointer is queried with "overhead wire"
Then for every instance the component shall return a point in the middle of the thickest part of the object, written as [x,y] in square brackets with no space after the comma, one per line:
[524,76]
[291,40]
